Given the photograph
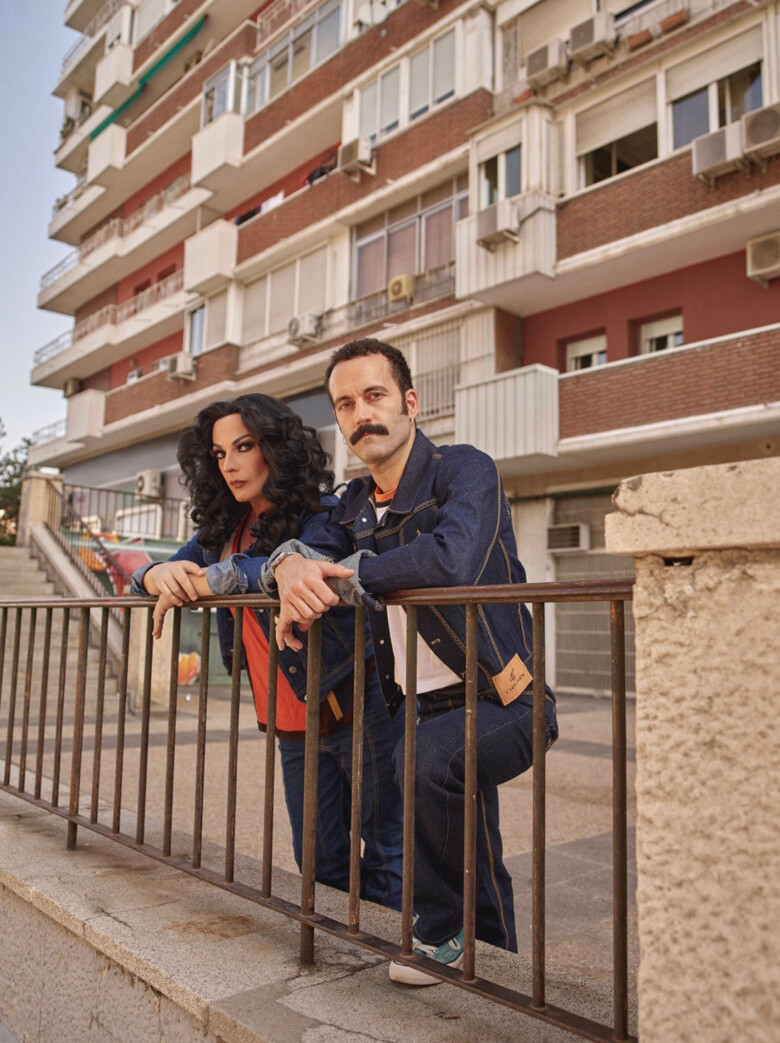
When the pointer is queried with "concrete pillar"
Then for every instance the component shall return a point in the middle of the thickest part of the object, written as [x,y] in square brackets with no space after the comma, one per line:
[707,548]
[37,506]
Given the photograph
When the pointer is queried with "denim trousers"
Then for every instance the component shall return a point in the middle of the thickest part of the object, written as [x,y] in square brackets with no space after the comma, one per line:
[504,750]
[382,819]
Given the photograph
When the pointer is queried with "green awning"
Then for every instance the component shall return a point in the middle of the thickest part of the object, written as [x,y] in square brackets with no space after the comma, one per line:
[157,67]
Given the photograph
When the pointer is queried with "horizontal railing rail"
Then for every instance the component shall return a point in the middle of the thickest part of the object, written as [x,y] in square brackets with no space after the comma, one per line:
[82,720]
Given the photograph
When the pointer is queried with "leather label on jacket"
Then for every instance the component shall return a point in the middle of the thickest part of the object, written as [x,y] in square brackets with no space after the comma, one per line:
[513,680]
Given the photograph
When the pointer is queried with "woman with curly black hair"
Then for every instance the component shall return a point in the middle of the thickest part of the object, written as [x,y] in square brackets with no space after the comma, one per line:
[257,477]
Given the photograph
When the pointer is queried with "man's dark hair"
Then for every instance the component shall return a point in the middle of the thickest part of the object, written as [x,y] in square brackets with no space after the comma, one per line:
[297,466]
[371,346]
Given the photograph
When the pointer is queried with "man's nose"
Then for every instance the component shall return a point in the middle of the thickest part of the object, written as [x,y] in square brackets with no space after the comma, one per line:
[363,413]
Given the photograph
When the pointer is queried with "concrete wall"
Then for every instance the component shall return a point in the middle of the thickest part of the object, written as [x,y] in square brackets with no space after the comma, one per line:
[707,549]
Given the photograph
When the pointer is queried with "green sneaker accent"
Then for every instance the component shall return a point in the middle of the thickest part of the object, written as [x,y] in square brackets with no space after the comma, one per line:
[449,953]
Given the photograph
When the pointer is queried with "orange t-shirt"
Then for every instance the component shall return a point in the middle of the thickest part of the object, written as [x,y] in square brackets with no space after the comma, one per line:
[290,712]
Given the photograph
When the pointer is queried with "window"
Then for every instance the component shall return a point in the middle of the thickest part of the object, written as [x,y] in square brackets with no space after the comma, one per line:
[661,334]
[427,79]
[500,176]
[222,93]
[293,289]
[197,325]
[716,104]
[618,134]
[415,237]
[586,353]
[293,55]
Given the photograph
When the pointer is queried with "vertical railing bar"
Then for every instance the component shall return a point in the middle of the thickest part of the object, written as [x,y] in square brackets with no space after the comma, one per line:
[270,759]
[200,752]
[356,825]
[538,883]
[55,781]
[232,779]
[78,726]
[170,749]
[3,632]
[99,707]
[143,755]
[42,704]
[13,696]
[28,676]
[121,717]
[310,766]
[470,797]
[619,838]
[410,768]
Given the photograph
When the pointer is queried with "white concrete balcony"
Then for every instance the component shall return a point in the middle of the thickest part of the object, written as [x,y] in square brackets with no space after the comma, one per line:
[71,154]
[510,241]
[210,257]
[106,155]
[114,76]
[74,213]
[85,416]
[112,333]
[99,261]
[80,14]
[512,417]
[78,65]
[217,151]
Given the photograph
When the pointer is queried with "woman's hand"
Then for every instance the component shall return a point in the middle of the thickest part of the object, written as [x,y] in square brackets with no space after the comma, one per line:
[174,583]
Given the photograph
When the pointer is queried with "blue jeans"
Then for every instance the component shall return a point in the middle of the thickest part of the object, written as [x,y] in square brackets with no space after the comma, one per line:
[504,750]
[382,831]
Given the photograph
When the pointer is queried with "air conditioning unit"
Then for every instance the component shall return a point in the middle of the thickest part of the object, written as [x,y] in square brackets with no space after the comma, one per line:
[592,38]
[181,366]
[564,539]
[498,223]
[547,63]
[400,288]
[71,387]
[763,258]
[761,132]
[149,483]
[717,153]
[355,156]
[303,329]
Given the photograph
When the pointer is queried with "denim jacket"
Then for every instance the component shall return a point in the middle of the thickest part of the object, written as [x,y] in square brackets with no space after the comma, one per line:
[448,524]
[240,574]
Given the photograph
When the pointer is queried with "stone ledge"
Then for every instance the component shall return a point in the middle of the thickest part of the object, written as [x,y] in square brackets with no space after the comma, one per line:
[676,513]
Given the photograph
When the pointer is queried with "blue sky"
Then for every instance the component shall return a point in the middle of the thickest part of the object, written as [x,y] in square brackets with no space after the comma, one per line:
[33,43]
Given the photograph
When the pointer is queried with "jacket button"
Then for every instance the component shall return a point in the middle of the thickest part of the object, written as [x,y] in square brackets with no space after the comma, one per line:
[293,670]
[381,640]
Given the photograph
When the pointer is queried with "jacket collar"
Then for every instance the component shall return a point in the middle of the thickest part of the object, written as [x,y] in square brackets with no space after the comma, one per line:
[406,494]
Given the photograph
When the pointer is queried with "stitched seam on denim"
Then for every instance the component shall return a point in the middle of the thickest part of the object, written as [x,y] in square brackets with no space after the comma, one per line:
[492,867]
[383,533]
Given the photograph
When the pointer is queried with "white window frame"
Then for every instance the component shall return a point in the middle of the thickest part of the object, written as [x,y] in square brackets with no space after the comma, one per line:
[713,108]
[193,348]
[593,347]
[234,75]
[502,188]
[670,327]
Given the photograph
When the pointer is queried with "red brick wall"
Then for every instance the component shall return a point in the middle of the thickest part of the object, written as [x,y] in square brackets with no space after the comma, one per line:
[183,91]
[127,287]
[288,184]
[157,184]
[162,33]
[142,359]
[101,301]
[715,298]
[354,58]
[730,375]
[419,144]
[648,198]
[213,367]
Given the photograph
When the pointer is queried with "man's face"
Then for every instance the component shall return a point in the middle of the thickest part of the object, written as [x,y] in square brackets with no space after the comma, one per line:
[376,421]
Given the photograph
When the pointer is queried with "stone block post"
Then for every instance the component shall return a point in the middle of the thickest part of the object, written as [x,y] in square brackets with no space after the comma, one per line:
[36,506]
[706,544]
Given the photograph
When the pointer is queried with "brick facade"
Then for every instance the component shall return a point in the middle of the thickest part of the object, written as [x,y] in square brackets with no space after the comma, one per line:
[713,378]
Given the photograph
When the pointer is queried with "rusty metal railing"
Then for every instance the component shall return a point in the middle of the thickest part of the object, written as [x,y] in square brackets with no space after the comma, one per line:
[42,731]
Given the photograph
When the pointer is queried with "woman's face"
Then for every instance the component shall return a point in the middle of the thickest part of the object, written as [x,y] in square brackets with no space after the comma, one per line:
[240,460]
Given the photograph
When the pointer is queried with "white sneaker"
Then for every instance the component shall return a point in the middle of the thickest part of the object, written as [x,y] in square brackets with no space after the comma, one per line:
[449,953]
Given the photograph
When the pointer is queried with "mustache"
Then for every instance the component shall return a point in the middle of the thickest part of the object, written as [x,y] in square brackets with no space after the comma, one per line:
[367,429]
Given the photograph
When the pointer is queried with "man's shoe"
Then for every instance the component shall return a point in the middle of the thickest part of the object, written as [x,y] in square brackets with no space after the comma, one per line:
[449,953]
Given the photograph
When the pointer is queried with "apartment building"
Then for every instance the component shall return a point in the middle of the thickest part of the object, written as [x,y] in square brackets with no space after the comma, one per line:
[565,212]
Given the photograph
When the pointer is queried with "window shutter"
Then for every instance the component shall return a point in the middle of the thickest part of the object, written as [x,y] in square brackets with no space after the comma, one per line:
[616,117]
[216,314]
[253,319]
[542,22]
[712,65]
[312,282]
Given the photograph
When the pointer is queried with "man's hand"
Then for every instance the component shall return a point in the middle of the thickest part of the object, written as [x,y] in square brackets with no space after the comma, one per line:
[304,593]
[175,583]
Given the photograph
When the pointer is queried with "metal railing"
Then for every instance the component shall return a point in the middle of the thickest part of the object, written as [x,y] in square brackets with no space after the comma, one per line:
[439,282]
[83,721]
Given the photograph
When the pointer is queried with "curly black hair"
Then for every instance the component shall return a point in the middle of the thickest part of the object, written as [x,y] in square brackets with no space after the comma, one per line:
[297,465]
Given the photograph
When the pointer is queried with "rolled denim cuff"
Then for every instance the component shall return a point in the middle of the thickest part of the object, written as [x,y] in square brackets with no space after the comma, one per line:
[137,579]
[224,577]
[350,590]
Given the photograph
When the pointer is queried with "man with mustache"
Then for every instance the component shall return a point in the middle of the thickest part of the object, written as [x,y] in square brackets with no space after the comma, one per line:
[432,516]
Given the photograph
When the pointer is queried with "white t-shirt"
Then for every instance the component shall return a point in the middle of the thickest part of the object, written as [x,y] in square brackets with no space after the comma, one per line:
[432,672]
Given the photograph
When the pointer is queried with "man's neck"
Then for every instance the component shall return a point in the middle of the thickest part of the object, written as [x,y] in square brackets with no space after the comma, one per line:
[388,474]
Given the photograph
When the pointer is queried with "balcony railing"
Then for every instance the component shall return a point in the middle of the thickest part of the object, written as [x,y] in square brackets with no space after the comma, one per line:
[55,736]
[278,15]
[110,315]
[650,16]
[117,228]
[439,282]
[70,197]
[49,433]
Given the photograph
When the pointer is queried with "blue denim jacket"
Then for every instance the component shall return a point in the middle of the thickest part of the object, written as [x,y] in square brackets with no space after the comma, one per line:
[240,574]
[448,524]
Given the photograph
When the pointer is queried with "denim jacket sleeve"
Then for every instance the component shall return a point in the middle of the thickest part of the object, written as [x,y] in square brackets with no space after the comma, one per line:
[191,551]
[470,510]
[349,589]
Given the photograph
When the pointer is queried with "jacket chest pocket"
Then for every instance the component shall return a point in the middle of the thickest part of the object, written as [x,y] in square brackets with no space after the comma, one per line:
[413,525]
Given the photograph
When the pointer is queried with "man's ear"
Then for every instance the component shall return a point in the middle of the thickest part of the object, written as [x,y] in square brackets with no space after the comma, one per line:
[412,405]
